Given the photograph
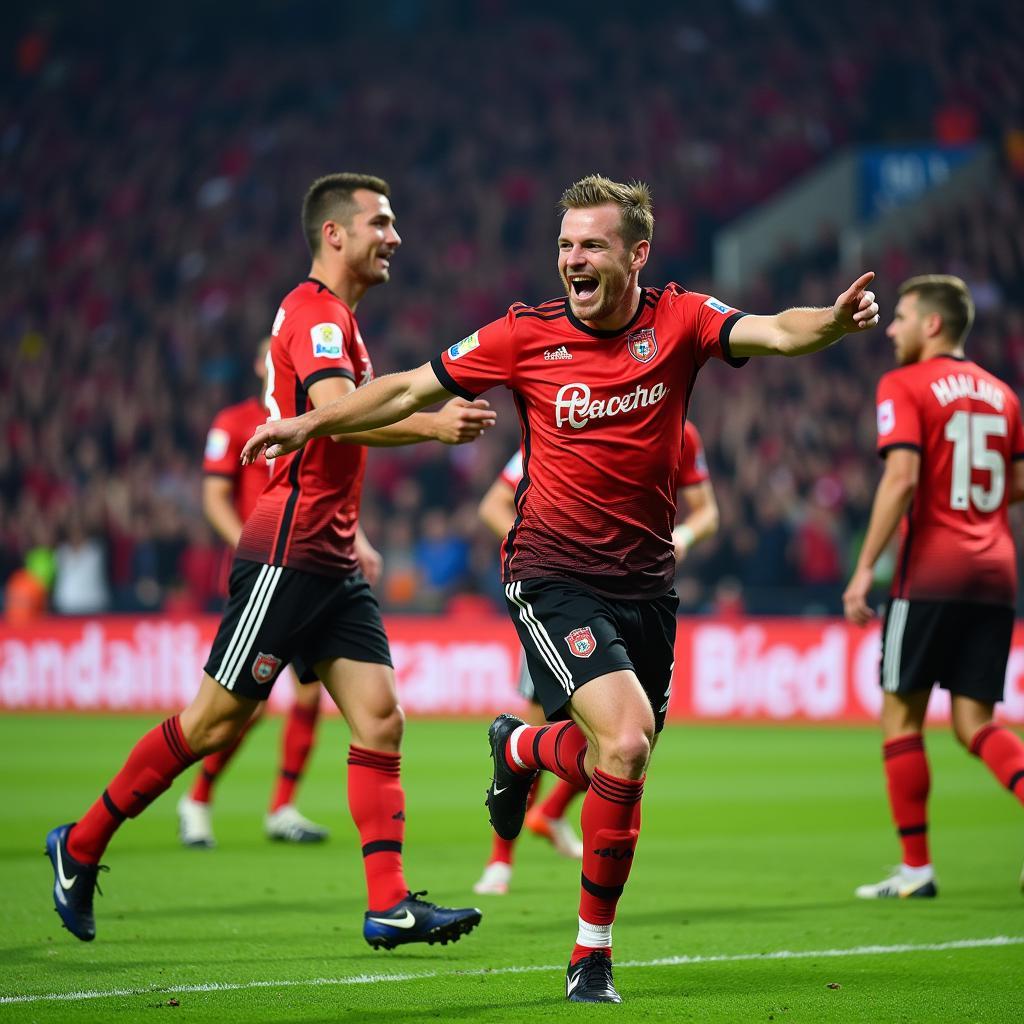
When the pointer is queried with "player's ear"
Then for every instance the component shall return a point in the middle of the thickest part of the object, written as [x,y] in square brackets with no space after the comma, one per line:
[332,234]
[641,251]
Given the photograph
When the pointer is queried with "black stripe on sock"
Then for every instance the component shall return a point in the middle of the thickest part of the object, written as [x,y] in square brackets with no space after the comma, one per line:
[175,744]
[580,758]
[382,846]
[558,746]
[1015,778]
[536,743]
[290,776]
[913,830]
[115,812]
[602,892]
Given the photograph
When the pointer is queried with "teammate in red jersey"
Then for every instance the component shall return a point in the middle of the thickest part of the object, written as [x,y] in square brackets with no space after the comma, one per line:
[601,379]
[230,491]
[296,591]
[498,511]
[951,436]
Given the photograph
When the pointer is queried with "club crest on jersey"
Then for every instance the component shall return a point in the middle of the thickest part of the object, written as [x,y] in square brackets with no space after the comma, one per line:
[642,345]
[459,349]
[581,642]
[264,667]
[327,340]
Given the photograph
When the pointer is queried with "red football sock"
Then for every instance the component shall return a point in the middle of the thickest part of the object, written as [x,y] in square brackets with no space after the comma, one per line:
[906,771]
[501,849]
[377,803]
[1003,752]
[558,799]
[214,764]
[560,749]
[610,821]
[154,763]
[296,744]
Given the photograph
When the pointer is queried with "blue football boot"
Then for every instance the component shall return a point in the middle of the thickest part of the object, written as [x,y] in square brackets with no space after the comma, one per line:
[416,920]
[73,885]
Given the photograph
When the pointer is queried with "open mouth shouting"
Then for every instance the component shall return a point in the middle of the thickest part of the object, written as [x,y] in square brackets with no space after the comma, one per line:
[583,286]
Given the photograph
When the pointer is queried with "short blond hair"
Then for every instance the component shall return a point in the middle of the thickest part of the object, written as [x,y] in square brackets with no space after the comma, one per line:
[946,295]
[633,200]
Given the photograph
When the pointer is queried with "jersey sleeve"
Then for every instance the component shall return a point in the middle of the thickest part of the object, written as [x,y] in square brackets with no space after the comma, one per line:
[480,362]
[693,465]
[223,448]
[899,419]
[320,339]
[1016,430]
[513,471]
[708,322]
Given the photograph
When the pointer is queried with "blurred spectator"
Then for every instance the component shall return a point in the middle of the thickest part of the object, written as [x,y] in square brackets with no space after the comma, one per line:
[81,583]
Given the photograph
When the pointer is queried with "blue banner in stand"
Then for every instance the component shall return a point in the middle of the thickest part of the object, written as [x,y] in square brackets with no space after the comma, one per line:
[891,177]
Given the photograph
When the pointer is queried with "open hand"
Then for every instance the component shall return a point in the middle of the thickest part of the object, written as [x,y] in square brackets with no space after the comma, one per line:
[275,438]
[856,309]
[459,421]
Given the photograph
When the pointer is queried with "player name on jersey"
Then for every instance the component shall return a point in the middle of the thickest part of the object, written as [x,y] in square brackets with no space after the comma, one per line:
[964,385]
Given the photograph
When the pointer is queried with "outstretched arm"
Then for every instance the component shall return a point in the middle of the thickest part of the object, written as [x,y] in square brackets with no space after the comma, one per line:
[383,401]
[457,422]
[797,332]
[892,499]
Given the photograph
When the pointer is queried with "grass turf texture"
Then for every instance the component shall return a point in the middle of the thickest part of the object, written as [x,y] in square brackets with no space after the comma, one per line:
[753,841]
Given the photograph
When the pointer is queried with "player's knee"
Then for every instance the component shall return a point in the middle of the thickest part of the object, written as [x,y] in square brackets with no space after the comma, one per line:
[384,731]
[626,754]
[208,737]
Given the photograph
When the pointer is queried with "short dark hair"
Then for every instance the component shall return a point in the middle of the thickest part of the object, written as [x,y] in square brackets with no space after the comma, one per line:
[946,295]
[632,199]
[330,197]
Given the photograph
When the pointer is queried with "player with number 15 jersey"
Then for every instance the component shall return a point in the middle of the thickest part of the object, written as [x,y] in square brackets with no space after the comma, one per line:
[965,423]
[951,436]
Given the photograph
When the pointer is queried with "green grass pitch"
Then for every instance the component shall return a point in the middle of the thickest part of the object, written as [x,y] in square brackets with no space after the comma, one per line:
[754,838]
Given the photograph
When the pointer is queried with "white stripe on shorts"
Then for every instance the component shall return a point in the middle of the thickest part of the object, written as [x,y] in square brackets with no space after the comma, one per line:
[895,628]
[249,623]
[544,644]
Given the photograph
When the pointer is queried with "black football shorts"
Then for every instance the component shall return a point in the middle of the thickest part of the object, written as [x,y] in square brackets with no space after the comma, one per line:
[276,615]
[572,634]
[961,645]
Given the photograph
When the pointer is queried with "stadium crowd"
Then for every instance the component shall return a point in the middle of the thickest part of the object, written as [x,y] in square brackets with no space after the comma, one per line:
[149,213]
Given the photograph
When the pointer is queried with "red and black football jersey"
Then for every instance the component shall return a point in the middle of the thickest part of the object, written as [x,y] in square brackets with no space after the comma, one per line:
[965,424]
[602,416]
[231,428]
[306,517]
[693,464]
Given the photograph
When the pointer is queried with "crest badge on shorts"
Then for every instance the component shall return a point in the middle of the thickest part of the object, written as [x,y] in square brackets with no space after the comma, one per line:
[581,642]
[642,345]
[264,667]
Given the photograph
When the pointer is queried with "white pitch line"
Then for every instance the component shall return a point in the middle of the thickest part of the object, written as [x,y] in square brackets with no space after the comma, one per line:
[669,961]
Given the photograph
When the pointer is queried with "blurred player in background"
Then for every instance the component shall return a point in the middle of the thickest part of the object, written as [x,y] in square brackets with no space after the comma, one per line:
[230,491]
[953,444]
[498,511]
[601,379]
[296,591]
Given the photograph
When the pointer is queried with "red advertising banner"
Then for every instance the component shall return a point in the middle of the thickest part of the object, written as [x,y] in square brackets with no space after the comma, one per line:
[814,670]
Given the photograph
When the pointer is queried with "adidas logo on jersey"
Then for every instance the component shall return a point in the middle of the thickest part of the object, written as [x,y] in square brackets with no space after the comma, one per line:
[559,353]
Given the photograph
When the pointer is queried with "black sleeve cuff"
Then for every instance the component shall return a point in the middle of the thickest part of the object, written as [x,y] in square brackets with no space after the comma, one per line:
[882,452]
[332,371]
[723,340]
[1017,456]
[445,379]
